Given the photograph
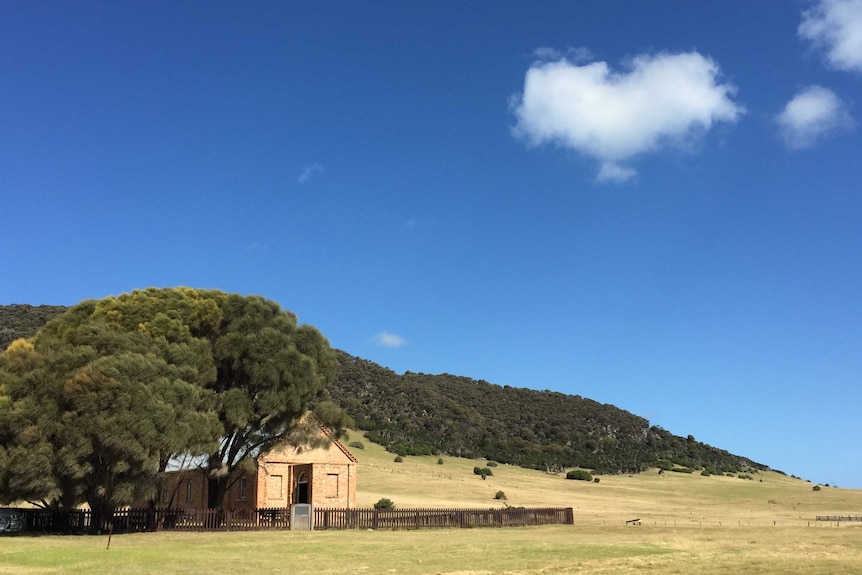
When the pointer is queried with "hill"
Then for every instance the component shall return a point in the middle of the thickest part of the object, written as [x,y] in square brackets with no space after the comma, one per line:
[769,499]
[422,414]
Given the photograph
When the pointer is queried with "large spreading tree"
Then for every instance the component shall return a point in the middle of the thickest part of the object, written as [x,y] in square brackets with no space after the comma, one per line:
[107,394]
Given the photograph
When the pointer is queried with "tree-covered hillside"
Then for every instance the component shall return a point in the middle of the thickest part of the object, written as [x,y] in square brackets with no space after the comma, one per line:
[416,413]
[23,320]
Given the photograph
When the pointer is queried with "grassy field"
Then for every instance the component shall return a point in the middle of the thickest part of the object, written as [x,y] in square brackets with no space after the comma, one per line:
[689,524]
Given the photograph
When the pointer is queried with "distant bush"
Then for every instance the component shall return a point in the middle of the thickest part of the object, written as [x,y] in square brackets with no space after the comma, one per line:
[356,445]
[664,464]
[500,495]
[682,470]
[596,479]
[816,488]
[384,503]
[482,471]
[491,464]
[398,459]
[440,461]
[579,474]
[705,473]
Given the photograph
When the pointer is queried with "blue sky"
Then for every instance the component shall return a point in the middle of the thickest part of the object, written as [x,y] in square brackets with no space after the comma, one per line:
[651,204]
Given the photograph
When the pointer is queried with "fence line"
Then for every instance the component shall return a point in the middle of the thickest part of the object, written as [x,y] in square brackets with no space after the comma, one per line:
[839,518]
[160,519]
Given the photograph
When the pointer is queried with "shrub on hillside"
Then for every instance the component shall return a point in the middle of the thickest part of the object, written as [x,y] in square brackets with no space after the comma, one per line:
[500,495]
[579,474]
[482,471]
[491,464]
[596,479]
[384,503]
[356,445]
[398,459]
[705,473]
[816,488]
[440,461]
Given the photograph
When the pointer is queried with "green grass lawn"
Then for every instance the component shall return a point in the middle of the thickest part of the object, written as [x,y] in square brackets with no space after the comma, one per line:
[534,550]
[690,524]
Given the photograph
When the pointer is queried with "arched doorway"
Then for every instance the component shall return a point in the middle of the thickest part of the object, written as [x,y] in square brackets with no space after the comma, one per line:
[302,488]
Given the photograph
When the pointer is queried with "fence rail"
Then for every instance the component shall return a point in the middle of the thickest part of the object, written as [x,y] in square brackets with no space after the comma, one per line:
[839,518]
[132,520]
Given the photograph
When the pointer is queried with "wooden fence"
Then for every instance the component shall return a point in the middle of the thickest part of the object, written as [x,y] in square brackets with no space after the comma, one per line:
[839,518]
[132,520]
[439,518]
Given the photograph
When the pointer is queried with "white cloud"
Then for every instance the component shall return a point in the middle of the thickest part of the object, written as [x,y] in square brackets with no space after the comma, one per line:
[309,171]
[814,113]
[835,26]
[660,100]
[386,339]
[613,172]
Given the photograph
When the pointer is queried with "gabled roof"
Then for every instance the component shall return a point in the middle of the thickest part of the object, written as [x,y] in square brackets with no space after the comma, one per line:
[339,445]
[310,418]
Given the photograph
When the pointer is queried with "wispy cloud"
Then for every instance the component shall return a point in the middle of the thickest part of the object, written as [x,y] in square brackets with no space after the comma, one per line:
[613,172]
[256,248]
[813,114]
[835,26]
[409,224]
[576,55]
[657,101]
[309,171]
[386,339]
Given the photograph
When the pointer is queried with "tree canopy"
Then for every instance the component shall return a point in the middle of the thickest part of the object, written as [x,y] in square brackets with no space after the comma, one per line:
[102,398]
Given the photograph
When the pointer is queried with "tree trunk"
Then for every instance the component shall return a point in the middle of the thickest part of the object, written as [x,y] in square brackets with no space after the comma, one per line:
[102,513]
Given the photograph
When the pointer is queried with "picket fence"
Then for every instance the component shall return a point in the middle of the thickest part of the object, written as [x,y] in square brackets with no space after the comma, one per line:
[133,520]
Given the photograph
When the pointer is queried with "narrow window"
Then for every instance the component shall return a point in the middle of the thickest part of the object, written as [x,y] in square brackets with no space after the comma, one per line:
[274,489]
[166,494]
[243,485]
[332,485]
[189,491]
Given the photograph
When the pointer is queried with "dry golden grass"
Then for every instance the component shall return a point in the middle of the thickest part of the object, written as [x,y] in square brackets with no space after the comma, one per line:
[671,499]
